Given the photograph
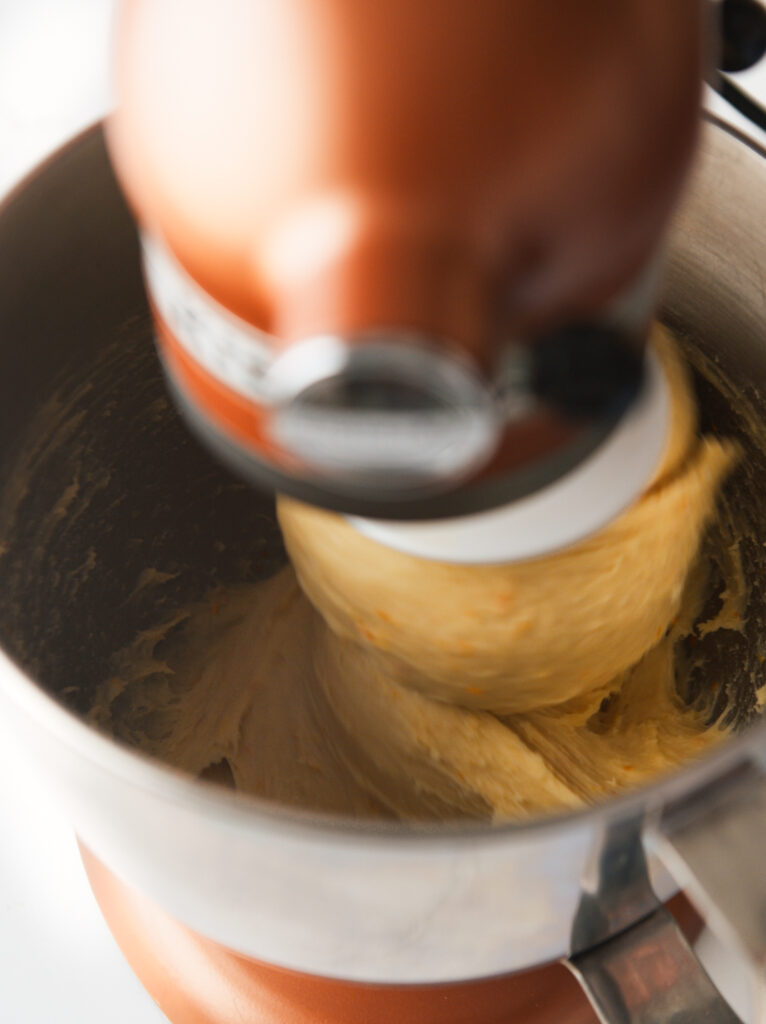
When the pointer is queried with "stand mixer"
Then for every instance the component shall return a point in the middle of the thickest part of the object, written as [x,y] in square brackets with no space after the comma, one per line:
[403,264]
[229,906]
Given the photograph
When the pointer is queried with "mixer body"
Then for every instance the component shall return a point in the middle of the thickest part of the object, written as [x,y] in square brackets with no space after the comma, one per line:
[366,273]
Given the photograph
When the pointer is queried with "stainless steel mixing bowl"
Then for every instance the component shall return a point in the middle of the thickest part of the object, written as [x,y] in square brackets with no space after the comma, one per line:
[98,480]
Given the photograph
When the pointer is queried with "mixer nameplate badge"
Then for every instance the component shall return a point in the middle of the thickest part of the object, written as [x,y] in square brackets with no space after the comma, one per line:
[231,350]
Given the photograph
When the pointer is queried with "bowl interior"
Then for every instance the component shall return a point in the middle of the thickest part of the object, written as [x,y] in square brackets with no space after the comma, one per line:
[112,515]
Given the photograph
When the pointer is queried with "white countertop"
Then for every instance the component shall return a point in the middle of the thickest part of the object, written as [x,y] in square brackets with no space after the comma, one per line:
[58,962]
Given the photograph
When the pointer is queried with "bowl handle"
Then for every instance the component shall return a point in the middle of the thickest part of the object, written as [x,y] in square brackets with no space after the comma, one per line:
[714,844]
[628,953]
[648,975]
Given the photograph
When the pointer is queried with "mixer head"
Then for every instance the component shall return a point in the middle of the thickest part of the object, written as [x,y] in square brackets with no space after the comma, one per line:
[357,223]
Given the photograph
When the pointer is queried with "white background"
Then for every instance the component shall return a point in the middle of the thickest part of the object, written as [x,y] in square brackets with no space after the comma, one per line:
[58,962]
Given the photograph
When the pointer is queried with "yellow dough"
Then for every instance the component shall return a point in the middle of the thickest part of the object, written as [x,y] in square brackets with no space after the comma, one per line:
[510,638]
[421,690]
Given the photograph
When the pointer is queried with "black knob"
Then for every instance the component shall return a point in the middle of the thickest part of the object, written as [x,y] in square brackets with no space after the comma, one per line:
[743,34]
[587,371]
